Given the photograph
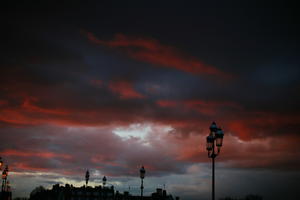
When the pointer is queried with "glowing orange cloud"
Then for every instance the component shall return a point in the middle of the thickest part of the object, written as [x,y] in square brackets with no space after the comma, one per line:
[151,51]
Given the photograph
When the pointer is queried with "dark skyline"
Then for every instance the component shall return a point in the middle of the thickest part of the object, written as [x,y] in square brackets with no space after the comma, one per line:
[112,85]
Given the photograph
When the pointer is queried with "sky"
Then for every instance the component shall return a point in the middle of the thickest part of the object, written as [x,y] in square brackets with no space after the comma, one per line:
[110,86]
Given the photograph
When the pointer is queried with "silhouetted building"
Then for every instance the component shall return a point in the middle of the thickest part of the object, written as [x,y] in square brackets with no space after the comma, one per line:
[248,197]
[5,195]
[68,192]
[158,195]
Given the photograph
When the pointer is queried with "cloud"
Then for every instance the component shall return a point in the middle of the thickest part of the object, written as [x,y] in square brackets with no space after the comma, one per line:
[204,107]
[30,107]
[167,103]
[61,98]
[12,152]
[72,150]
[45,116]
[151,51]
[124,89]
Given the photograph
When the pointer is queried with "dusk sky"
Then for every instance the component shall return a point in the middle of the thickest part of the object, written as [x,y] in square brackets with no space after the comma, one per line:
[112,85]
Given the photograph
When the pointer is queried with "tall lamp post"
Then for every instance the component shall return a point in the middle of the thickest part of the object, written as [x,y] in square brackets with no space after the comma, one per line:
[104,193]
[104,181]
[214,140]
[142,176]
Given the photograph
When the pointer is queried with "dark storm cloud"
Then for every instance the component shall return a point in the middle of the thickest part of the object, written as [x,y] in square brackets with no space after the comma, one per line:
[77,100]
[62,96]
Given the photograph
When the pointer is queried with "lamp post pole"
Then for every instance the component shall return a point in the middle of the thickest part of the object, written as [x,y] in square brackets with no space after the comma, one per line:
[87,177]
[104,192]
[3,182]
[1,164]
[142,188]
[142,176]
[213,178]
[4,178]
[214,140]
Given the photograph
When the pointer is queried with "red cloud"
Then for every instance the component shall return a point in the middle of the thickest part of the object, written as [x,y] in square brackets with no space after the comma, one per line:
[250,125]
[11,152]
[28,113]
[3,102]
[151,51]
[29,106]
[166,103]
[18,166]
[276,152]
[125,90]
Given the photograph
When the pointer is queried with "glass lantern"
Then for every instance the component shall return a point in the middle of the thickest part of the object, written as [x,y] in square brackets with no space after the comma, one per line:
[209,143]
[142,172]
[219,137]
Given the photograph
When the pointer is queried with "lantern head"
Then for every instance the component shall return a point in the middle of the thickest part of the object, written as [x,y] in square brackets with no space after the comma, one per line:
[104,180]
[4,174]
[142,172]
[213,127]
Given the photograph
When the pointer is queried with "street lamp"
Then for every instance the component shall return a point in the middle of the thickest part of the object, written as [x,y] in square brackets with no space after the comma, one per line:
[3,174]
[104,193]
[104,181]
[213,140]
[87,177]
[1,163]
[4,178]
[142,176]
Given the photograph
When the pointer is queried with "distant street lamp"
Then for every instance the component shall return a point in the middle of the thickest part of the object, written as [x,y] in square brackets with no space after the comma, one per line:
[4,178]
[1,163]
[3,174]
[104,181]
[213,140]
[104,193]
[142,176]
[87,177]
